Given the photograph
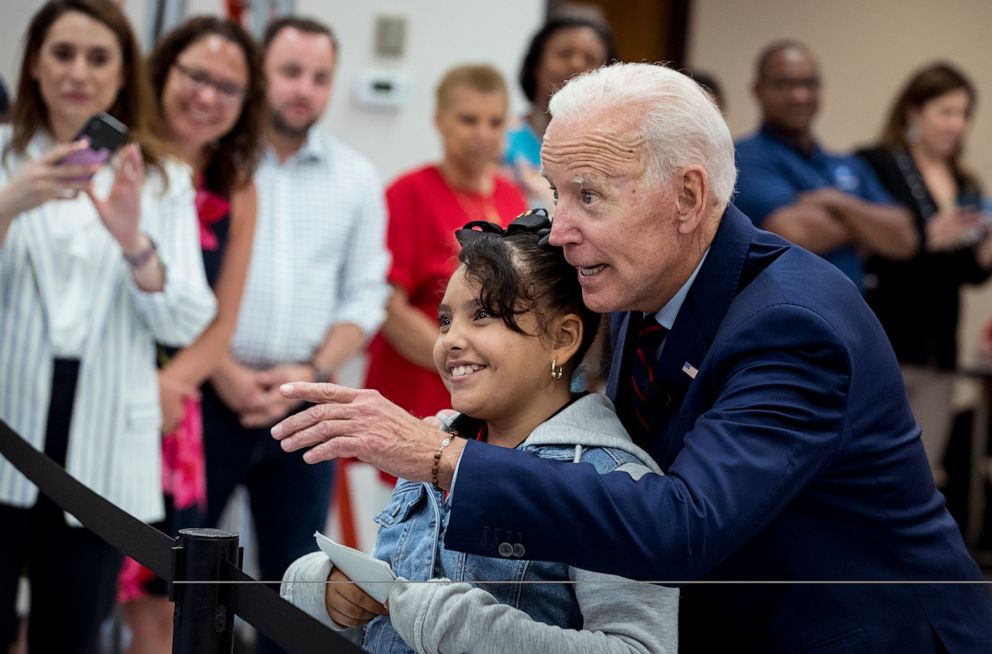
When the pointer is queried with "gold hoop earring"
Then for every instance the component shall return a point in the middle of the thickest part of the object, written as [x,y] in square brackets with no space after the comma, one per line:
[556,370]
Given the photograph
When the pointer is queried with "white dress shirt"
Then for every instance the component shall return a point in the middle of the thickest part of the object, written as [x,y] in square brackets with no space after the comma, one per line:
[319,254]
[77,237]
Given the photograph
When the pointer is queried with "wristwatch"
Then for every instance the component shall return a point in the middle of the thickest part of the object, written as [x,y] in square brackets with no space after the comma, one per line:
[322,375]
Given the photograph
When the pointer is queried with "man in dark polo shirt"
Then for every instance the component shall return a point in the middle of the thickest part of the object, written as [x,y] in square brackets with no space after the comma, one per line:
[830,204]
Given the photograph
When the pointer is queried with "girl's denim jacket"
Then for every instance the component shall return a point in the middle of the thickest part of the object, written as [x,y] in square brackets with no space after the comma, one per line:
[411,527]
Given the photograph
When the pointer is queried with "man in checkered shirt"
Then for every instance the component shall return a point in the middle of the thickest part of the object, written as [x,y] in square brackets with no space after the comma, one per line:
[316,289]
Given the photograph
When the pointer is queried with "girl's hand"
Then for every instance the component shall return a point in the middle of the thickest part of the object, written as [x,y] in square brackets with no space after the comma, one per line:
[45,179]
[347,604]
[120,211]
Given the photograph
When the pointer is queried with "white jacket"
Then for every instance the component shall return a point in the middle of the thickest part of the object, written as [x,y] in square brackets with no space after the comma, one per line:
[114,435]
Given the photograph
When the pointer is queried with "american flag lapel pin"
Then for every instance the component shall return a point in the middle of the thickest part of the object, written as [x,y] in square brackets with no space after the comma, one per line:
[690,370]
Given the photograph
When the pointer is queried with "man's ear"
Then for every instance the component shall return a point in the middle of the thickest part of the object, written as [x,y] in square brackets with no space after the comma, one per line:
[566,332]
[692,187]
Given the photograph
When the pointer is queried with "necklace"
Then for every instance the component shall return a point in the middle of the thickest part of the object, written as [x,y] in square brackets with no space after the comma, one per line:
[477,206]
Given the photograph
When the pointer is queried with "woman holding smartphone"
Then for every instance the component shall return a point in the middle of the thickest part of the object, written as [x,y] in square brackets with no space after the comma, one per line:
[207,78]
[919,161]
[97,264]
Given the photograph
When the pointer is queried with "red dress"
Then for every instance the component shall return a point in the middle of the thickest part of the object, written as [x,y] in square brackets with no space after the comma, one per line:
[424,213]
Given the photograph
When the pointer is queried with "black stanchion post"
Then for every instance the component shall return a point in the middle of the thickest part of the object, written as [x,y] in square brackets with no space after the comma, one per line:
[203,622]
[204,614]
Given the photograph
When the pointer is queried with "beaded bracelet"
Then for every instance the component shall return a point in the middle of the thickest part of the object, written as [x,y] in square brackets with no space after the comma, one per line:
[437,461]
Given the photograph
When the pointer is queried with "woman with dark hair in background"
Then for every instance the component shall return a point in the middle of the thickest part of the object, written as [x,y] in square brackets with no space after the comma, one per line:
[917,301]
[97,265]
[565,46]
[207,77]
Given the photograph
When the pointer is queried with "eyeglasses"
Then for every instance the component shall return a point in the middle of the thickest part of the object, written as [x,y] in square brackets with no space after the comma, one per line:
[228,93]
[787,85]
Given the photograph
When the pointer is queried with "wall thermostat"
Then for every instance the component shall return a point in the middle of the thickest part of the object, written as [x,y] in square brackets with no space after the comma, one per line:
[382,89]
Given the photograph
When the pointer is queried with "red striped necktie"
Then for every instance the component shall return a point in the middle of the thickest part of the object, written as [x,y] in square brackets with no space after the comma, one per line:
[649,338]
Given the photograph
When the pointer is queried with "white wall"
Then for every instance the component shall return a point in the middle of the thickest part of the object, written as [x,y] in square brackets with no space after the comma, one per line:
[440,34]
[14,18]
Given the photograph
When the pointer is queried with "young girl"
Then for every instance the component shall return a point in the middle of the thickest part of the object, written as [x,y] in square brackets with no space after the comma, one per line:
[512,331]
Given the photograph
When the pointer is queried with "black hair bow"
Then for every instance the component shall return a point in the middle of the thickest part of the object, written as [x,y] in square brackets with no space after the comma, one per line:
[535,222]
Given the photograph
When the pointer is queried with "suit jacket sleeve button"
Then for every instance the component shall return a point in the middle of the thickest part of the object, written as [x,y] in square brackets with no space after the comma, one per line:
[505,550]
[518,550]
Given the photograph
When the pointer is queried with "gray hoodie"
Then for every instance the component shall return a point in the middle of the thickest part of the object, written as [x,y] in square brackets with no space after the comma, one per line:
[619,615]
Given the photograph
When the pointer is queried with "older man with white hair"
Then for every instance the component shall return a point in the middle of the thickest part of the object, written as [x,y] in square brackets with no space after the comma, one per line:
[773,402]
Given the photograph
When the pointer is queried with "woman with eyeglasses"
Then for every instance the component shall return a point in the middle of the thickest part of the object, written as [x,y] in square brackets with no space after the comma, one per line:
[207,77]
[97,264]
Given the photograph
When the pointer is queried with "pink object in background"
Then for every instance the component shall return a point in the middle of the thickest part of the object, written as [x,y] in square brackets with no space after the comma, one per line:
[184,477]
[183,468]
[210,208]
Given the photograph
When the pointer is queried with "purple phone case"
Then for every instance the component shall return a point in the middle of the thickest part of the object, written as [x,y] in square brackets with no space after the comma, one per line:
[85,157]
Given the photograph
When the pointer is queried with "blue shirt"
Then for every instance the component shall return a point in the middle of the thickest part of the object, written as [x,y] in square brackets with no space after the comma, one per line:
[522,144]
[773,173]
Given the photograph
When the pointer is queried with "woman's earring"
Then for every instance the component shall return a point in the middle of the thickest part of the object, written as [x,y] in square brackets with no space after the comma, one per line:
[556,370]
[913,133]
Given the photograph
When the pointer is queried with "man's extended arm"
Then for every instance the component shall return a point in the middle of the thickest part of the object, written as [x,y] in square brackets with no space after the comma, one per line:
[776,421]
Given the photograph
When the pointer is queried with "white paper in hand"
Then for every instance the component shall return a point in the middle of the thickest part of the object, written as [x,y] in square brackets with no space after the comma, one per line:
[369,573]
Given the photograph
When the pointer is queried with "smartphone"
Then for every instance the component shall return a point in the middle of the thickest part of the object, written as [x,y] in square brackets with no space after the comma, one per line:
[106,135]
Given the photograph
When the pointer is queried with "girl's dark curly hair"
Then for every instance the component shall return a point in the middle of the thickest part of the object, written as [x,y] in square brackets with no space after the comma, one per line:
[516,274]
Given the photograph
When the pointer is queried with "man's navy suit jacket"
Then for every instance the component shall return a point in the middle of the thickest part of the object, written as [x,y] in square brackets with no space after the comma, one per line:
[792,456]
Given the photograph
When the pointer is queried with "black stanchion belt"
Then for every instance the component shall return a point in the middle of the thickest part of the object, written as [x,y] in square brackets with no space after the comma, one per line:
[288,626]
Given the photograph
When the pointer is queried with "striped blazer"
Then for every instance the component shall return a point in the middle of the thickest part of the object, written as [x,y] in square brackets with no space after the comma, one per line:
[114,435]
